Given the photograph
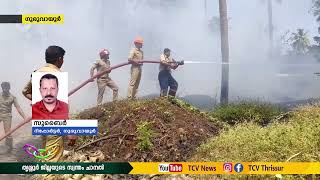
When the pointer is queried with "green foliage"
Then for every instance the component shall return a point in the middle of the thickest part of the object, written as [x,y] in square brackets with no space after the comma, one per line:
[316,9]
[183,104]
[277,142]
[246,111]
[168,116]
[74,115]
[299,42]
[145,134]
[315,48]
[137,104]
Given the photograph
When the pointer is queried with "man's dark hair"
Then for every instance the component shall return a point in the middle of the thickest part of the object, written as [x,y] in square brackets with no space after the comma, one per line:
[166,50]
[5,84]
[53,53]
[49,76]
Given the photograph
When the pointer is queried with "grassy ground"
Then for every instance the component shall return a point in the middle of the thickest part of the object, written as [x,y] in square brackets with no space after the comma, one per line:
[249,141]
[248,131]
[246,111]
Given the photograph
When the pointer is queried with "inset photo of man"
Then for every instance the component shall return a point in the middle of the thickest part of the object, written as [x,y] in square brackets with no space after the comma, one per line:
[50,95]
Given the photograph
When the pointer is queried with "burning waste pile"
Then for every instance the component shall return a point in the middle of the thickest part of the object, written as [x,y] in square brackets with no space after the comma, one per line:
[148,130]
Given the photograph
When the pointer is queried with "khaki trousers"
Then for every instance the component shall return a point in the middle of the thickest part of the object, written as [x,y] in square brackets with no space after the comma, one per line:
[102,84]
[7,124]
[134,82]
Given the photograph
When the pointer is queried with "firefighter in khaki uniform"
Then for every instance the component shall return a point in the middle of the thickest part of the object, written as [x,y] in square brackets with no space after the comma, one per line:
[165,77]
[54,58]
[136,58]
[6,102]
[104,80]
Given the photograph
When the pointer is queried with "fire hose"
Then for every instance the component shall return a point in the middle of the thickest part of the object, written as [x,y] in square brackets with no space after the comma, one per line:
[79,87]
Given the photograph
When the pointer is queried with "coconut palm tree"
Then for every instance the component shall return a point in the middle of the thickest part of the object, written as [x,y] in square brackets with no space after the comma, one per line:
[299,42]
[316,9]
[315,48]
[224,51]
[270,23]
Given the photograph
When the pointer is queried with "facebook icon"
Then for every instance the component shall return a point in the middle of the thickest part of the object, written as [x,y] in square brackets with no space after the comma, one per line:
[238,168]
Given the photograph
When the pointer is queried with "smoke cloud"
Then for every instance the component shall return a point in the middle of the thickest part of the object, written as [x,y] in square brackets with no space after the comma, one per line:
[179,25]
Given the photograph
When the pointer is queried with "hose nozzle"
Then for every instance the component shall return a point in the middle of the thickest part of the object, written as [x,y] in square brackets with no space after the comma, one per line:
[180,62]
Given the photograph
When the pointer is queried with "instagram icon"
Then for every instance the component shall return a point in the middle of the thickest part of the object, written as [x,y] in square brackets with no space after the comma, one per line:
[227,167]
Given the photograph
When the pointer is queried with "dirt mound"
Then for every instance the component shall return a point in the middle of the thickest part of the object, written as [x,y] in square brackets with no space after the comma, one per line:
[147,130]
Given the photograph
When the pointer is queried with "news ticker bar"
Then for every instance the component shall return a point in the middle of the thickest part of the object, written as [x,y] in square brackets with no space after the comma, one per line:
[272,168]
[33,18]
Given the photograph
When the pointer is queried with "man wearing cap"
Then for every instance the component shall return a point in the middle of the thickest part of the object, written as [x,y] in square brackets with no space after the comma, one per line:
[54,56]
[103,81]
[135,58]
[165,78]
[6,102]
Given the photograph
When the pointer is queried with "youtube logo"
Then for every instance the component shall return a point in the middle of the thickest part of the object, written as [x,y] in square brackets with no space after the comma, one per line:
[175,167]
[170,167]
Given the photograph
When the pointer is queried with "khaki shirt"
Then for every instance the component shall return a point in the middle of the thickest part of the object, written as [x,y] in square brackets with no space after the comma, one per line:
[135,53]
[102,65]
[48,140]
[165,59]
[47,68]
[6,103]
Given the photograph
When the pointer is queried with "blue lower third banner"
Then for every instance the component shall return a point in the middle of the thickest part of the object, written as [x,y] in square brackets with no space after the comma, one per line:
[84,127]
[64,131]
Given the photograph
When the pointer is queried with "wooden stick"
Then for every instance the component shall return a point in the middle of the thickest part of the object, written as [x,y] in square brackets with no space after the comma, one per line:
[100,139]
[293,156]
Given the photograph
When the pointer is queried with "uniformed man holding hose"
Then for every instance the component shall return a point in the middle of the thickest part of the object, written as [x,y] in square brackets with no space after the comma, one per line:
[165,77]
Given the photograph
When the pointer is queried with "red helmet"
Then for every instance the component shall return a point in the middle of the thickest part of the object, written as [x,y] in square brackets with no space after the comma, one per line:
[138,40]
[103,53]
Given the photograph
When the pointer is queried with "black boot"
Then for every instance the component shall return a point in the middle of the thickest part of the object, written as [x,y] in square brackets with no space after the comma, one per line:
[172,92]
[9,143]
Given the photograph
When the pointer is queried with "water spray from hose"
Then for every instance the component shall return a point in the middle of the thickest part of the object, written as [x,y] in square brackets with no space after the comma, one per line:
[202,62]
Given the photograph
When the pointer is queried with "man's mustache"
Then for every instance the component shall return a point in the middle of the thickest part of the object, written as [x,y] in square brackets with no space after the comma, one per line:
[49,96]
